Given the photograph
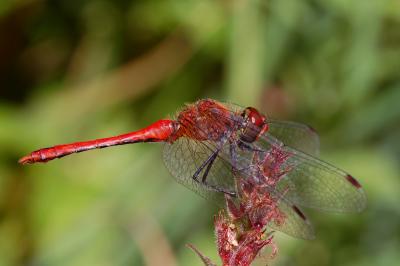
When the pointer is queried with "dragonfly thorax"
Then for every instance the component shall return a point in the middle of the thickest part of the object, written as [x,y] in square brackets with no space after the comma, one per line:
[204,120]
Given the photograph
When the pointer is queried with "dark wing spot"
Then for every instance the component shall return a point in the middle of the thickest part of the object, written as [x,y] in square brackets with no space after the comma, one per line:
[353,181]
[299,213]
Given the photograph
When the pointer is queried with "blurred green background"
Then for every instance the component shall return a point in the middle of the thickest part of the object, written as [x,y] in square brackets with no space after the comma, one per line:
[75,70]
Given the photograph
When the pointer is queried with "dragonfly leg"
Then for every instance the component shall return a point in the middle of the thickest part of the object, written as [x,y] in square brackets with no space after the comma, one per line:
[221,190]
[234,157]
[213,157]
[247,146]
[208,164]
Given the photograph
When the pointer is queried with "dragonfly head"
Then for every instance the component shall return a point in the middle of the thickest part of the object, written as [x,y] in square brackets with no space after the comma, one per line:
[254,124]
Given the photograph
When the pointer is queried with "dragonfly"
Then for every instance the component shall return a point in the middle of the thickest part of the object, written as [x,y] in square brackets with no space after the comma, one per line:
[209,145]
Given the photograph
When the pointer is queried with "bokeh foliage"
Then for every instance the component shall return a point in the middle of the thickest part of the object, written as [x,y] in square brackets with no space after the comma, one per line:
[75,70]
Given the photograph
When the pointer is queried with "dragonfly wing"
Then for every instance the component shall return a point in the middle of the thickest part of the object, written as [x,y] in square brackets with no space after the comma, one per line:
[316,184]
[295,223]
[299,136]
[185,156]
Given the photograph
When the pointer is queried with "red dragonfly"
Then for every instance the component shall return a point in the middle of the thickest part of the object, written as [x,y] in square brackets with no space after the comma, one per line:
[210,145]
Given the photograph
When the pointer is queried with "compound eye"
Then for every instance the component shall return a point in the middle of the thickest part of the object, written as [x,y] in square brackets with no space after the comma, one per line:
[254,125]
[254,116]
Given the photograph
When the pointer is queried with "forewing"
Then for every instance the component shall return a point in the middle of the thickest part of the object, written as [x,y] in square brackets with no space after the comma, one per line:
[296,135]
[313,183]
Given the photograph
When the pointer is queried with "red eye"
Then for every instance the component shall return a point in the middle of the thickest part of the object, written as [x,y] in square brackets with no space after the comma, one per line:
[254,116]
[254,125]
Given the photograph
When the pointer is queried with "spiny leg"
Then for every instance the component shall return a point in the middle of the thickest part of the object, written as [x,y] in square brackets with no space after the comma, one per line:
[234,158]
[210,160]
[214,156]
[208,164]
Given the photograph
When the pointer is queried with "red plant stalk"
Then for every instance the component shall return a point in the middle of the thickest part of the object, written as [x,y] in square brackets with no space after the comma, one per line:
[243,231]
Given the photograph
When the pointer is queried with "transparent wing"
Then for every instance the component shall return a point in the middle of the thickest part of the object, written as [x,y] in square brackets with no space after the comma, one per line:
[299,136]
[296,135]
[185,156]
[296,223]
[314,183]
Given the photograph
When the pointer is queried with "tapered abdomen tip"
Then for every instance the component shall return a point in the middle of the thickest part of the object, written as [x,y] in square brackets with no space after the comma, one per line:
[26,160]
